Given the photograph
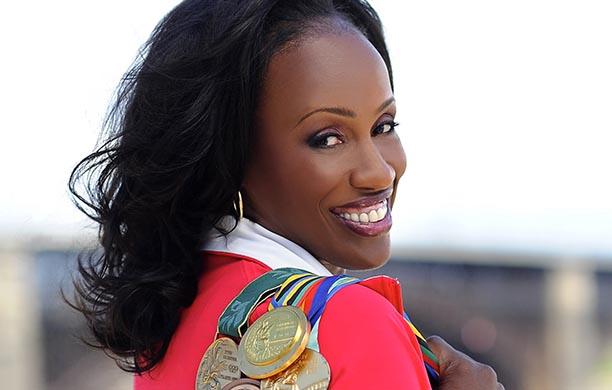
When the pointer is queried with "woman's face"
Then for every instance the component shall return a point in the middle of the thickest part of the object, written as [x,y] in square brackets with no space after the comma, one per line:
[326,160]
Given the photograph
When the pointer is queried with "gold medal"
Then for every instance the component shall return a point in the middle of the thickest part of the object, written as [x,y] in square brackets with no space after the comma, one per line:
[243,384]
[309,372]
[219,366]
[273,342]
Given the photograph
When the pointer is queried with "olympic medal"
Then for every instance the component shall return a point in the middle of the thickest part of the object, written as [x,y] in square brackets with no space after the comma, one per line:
[243,384]
[219,366]
[273,342]
[309,372]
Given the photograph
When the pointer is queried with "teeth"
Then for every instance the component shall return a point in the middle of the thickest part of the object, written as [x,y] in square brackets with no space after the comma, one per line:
[373,216]
[370,217]
[382,212]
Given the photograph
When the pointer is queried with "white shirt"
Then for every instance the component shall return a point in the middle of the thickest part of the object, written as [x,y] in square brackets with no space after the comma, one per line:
[253,240]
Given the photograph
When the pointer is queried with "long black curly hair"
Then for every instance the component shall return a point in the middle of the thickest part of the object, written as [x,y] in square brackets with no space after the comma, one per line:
[173,156]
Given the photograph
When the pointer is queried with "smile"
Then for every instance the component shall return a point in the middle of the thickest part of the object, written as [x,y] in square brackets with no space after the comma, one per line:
[370,214]
[368,217]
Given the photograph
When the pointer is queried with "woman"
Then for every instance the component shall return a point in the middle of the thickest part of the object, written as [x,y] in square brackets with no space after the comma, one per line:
[286,108]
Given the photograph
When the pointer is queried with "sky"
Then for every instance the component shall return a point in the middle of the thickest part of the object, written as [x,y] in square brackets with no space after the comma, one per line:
[505,112]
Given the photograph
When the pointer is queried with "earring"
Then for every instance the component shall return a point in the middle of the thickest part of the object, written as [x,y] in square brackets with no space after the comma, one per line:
[240,207]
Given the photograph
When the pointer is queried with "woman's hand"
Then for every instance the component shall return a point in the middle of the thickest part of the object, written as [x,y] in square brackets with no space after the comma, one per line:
[458,371]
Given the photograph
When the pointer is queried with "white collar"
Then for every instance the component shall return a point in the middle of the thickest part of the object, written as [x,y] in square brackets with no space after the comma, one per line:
[253,240]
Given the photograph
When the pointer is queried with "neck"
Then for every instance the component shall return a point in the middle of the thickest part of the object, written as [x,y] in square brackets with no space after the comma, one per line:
[334,269]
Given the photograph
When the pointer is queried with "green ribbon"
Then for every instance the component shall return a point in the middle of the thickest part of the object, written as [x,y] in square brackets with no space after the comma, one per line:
[233,320]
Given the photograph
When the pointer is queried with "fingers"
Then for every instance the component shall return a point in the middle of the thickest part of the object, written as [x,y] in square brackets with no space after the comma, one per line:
[487,373]
[445,353]
[437,343]
[439,347]
[458,369]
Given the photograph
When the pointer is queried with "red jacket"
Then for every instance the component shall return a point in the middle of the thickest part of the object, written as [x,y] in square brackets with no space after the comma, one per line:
[363,337]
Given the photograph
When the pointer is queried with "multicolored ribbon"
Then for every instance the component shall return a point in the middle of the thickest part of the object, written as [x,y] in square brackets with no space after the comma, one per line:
[310,293]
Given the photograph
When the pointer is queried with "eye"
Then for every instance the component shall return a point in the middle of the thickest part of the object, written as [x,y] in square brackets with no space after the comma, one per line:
[385,127]
[325,140]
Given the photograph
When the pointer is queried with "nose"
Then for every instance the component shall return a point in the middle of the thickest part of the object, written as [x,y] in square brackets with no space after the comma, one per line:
[371,172]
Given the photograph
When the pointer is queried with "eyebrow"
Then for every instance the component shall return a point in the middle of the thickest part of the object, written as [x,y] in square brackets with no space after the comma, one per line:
[342,111]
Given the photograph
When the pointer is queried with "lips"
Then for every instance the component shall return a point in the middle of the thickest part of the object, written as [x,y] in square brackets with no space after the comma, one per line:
[368,216]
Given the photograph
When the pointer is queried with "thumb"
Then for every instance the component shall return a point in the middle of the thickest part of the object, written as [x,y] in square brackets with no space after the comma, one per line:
[441,349]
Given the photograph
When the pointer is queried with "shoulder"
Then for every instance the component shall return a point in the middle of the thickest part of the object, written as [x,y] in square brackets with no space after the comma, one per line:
[359,299]
[224,276]
[241,269]
[368,344]
[359,311]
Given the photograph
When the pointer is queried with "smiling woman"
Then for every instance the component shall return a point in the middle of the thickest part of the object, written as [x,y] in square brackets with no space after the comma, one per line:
[252,155]
[325,149]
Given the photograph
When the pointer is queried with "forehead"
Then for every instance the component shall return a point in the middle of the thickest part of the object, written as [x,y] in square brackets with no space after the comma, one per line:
[332,69]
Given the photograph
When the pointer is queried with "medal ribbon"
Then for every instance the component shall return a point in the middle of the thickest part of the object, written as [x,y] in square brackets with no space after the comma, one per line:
[310,293]
[233,320]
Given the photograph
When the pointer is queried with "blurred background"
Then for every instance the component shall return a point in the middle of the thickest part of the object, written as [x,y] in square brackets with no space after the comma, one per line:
[503,223]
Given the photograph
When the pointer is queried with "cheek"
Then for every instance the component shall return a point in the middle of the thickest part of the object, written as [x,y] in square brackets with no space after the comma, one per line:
[311,176]
[290,176]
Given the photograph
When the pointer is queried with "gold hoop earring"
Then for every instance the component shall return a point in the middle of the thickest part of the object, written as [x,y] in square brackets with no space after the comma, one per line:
[240,207]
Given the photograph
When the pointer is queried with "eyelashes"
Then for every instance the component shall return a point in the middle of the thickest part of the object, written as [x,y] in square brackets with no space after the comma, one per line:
[326,140]
[331,138]
[385,127]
